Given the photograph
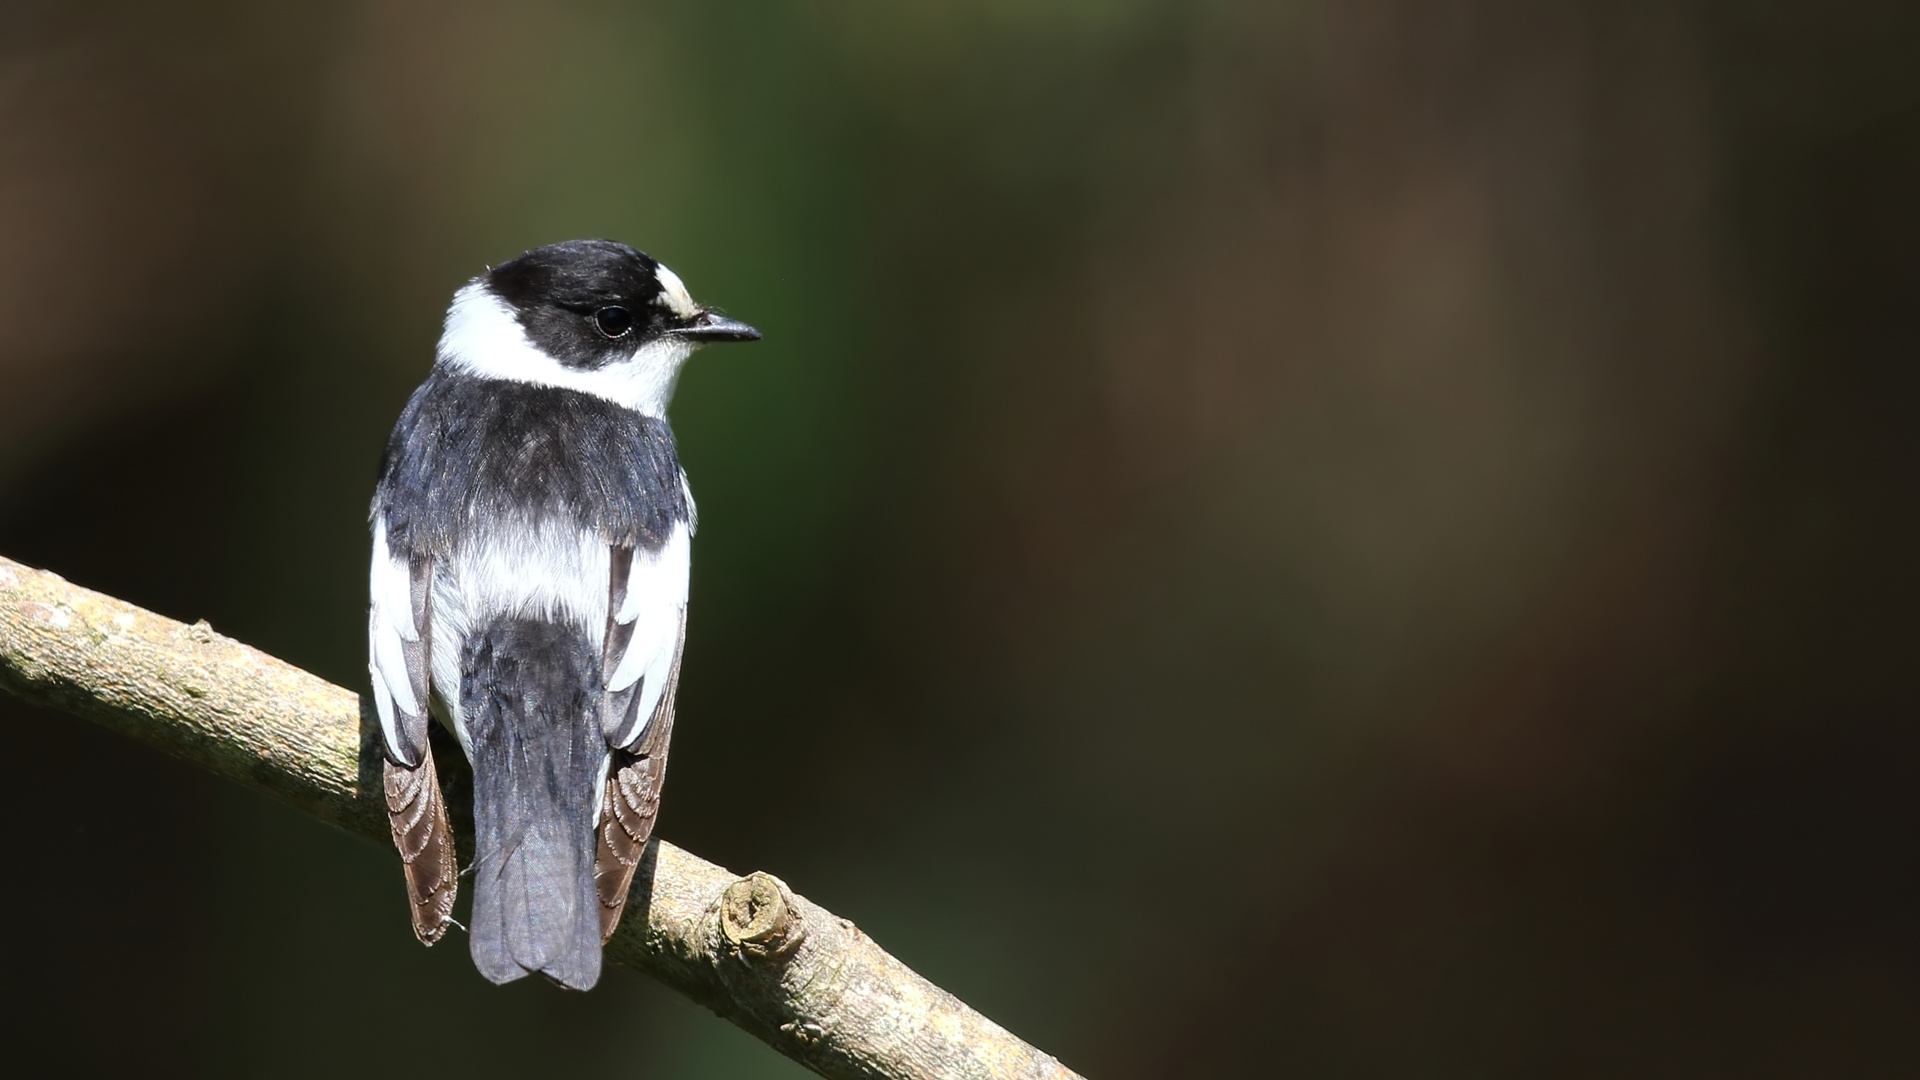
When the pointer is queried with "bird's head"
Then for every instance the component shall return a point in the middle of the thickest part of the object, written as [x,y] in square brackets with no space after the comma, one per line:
[590,315]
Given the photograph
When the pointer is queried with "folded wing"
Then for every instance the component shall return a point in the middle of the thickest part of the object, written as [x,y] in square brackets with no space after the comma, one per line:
[646,632]
[399,636]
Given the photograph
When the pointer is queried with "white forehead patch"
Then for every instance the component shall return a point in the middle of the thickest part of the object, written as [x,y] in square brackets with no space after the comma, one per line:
[673,294]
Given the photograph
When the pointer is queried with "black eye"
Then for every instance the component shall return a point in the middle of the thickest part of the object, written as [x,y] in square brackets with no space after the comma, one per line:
[613,321]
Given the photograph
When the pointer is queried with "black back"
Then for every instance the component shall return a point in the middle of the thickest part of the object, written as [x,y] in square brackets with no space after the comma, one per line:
[470,449]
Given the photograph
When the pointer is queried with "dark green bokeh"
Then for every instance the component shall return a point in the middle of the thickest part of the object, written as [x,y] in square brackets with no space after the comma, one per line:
[1263,538]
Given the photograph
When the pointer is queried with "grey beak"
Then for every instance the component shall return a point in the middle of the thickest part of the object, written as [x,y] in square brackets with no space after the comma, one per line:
[710,327]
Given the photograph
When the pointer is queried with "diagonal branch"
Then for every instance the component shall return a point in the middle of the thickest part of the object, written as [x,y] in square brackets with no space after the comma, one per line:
[801,979]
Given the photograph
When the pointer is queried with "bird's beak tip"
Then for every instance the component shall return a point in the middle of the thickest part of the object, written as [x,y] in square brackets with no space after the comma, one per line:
[711,327]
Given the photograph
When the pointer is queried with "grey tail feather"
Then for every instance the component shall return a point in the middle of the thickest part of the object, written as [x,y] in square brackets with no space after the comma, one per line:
[530,691]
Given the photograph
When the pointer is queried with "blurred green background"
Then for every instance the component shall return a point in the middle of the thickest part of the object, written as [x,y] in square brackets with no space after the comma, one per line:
[1288,538]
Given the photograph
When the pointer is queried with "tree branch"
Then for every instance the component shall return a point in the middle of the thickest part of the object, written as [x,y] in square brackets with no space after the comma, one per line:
[801,979]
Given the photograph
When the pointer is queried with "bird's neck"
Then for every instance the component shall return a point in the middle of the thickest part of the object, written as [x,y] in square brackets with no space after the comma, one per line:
[484,340]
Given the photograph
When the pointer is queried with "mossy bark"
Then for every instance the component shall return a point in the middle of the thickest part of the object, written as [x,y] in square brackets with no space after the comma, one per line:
[803,980]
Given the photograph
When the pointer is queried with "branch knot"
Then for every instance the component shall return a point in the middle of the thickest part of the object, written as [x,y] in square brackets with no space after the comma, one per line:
[758,919]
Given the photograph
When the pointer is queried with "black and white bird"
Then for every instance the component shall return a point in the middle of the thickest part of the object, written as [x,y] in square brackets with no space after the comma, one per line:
[531,535]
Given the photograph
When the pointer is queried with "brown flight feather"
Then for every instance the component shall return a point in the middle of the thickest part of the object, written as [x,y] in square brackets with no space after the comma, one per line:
[633,802]
[417,814]
[416,809]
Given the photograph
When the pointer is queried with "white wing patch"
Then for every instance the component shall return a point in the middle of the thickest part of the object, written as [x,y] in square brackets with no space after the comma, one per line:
[553,571]
[389,627]
[656,598]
